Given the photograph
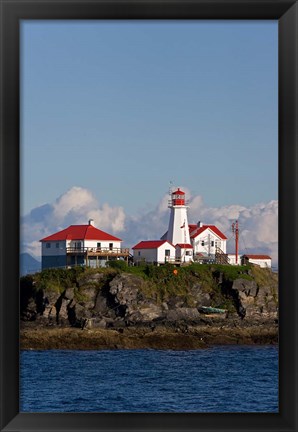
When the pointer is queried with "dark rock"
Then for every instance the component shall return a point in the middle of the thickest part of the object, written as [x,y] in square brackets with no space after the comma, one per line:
[77,314]
[125,288]
[248,287]
[145,313]
[254,302]
[187,314]
[69,294]
[124,294]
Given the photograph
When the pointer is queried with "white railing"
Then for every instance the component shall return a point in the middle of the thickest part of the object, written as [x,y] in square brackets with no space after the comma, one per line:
[97,250]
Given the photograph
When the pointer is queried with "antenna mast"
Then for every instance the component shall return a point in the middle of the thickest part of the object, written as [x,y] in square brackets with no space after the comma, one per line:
[235,231]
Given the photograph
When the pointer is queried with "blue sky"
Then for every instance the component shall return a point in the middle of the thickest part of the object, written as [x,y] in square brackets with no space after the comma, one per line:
[123,108]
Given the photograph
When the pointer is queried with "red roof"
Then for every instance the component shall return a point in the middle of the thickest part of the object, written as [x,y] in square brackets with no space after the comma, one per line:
[184,245]
[178,192]
[150,244]
[213,228]
[257,256]
[192,227]
[80,232]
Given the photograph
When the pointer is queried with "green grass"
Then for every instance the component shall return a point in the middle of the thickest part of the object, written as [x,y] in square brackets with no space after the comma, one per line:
[232,272]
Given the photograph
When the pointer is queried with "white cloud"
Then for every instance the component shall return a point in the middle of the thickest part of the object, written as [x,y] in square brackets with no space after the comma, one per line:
[258,226]
[258,223]
[76,201]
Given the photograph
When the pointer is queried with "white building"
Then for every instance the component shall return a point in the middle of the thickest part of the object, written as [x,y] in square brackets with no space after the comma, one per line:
[207,240]
[80,245]
[184,252]
[260,260]
[154,251]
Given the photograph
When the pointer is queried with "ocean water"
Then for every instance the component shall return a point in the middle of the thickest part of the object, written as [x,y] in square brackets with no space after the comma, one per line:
[218,379]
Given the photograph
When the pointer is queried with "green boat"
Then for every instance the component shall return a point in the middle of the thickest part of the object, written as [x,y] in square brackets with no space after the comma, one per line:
[211,310]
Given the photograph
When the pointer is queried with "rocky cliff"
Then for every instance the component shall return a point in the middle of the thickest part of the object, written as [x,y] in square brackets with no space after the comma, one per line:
[149,297]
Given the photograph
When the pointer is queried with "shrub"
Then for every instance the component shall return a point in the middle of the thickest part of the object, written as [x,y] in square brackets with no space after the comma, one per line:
[118,265]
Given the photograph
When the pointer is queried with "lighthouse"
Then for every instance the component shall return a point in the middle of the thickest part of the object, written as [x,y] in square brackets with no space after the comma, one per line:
[178,231]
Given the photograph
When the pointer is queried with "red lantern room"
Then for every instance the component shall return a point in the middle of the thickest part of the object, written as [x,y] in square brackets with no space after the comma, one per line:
[178,198]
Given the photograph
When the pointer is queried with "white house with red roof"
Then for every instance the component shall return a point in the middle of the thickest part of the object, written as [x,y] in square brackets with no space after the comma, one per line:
[259,260]
[154,251]
[207,240]
[80,245]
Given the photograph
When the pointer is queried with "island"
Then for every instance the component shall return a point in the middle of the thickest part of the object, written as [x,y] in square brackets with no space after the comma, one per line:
[148,307]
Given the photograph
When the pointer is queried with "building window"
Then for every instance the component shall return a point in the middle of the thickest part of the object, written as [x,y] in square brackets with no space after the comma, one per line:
[111,246]
[78,245]
[188,253]
[98,245]
[203,243]
[48,245]
[167,252]
[57,245]
[212,243]
[139,253]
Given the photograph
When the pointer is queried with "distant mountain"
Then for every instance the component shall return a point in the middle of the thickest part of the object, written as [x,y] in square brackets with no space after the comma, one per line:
[28,264]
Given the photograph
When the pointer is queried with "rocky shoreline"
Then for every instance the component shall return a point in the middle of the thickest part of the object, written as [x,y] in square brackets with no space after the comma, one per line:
[181,337]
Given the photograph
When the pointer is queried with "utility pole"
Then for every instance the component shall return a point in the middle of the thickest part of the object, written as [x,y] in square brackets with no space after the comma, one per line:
[235,231]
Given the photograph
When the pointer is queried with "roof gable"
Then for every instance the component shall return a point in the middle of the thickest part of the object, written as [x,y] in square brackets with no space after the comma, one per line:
[213,228]
[81,232]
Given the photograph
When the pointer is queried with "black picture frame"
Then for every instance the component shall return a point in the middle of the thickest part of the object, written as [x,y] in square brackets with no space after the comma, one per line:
[12,11]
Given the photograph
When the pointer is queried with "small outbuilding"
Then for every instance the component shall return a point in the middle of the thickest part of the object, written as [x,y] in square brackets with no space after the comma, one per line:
[154,251]
[184,252]
[259,260]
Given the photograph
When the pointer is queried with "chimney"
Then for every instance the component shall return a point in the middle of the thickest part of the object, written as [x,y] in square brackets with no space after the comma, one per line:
[91,222]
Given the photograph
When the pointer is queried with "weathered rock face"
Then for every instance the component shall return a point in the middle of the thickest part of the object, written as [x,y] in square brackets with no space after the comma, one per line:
[186,314]
[123,299]
[146,313]
[253,301]
[125,288]
[130,303]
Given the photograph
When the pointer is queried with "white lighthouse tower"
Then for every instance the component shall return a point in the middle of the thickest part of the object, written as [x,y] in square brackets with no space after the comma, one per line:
[178,231]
